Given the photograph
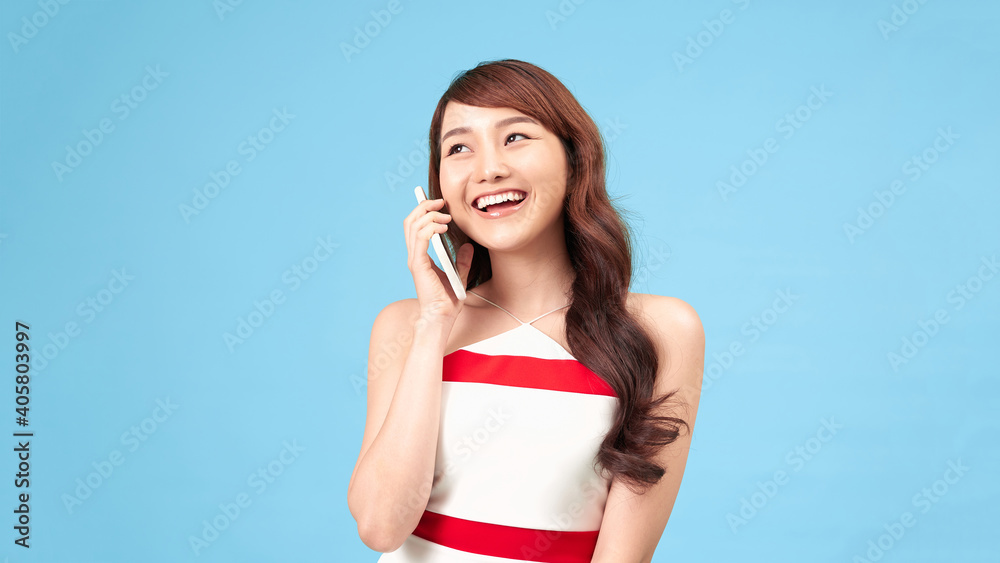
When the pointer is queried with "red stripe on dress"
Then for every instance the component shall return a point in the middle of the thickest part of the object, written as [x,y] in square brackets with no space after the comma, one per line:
[523,371]
[523,544]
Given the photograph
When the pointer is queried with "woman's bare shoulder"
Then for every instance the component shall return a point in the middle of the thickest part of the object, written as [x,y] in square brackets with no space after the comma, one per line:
[679,337]
[396,314]
[668,316]
[403,306]
[651,303]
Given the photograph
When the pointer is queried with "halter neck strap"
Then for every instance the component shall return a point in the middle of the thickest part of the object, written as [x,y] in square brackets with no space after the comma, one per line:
[512,314]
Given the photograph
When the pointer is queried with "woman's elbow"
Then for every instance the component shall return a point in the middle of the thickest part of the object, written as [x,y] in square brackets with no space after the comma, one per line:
[378,538]
[376,529]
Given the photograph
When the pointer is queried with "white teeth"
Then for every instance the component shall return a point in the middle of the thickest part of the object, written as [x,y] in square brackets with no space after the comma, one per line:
[498,198]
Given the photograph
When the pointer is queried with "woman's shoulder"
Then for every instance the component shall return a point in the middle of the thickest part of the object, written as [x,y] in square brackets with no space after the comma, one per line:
[401,306]
[671,320]
[398,313]
[664,309]
[679,337]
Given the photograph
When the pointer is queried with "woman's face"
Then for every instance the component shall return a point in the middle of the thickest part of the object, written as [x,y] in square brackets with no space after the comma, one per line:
[498,150]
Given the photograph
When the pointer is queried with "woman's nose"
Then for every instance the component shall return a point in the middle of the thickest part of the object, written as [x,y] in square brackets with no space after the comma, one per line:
[490,164]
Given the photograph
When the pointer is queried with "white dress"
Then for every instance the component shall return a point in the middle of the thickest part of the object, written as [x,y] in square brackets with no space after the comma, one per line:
[515,476]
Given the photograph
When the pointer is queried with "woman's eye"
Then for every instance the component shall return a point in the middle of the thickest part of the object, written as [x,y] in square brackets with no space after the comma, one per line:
[510,138]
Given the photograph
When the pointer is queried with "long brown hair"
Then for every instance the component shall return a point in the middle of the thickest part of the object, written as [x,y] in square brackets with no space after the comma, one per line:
[601,332]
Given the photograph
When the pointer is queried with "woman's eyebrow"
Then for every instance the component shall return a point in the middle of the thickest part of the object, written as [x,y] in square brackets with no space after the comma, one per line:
[498,125]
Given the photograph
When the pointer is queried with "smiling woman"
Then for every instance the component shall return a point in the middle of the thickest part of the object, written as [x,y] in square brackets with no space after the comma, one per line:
[561,438]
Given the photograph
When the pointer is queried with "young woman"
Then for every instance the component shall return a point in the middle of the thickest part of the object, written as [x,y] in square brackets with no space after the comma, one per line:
[559,437]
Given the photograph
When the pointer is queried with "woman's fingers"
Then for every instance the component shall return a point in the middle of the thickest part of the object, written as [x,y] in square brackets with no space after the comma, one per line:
[423,215]
[424,238]
[422,209]
[433,289]
[423,212]
[422,231]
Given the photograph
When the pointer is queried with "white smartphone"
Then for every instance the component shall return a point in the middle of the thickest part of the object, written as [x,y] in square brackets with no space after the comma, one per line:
[442,254]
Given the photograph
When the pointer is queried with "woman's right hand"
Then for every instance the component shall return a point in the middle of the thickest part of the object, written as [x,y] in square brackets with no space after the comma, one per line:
[437,299]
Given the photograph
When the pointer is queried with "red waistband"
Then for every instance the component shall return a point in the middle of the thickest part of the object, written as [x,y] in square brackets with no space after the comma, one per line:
[524,544]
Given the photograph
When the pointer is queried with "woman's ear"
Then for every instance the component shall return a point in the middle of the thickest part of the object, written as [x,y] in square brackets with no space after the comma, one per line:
[464,262]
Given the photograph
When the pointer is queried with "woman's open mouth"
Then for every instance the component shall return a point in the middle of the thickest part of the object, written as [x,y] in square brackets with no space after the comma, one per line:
[506,204]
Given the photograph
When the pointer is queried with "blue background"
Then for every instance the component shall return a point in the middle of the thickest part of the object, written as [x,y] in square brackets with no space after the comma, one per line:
[674,127]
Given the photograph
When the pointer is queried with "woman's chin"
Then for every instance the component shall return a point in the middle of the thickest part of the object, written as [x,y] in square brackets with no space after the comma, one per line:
[504,244]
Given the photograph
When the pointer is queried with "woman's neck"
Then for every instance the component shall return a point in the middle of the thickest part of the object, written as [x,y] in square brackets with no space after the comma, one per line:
[527,283]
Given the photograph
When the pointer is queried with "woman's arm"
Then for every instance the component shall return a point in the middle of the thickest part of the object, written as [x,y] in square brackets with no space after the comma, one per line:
[392,479]
[633,524]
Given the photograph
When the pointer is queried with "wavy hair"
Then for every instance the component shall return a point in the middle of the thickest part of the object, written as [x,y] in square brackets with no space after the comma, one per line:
[602,334]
